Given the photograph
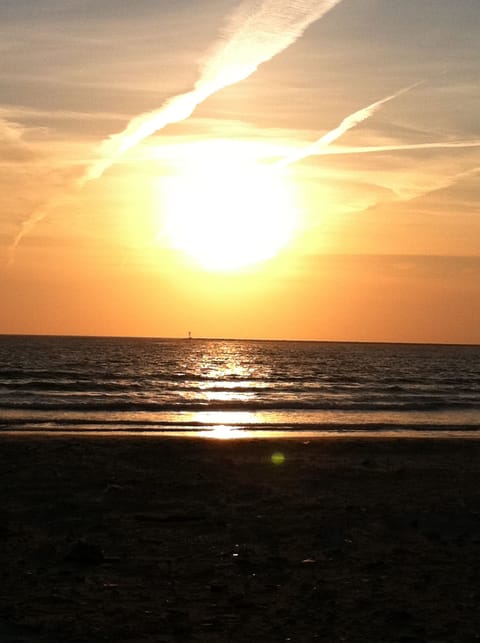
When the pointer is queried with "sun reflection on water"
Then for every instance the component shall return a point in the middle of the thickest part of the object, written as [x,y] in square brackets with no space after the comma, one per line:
[225,425]
[229,366]
[225,432]
[225,418]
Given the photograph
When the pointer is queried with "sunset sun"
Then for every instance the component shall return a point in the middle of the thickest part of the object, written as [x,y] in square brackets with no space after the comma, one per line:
[226,216]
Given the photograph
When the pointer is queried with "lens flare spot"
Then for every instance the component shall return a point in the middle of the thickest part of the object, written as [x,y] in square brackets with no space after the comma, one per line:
[278,458]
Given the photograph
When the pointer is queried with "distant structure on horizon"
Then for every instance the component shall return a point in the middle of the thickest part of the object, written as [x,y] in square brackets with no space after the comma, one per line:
[189,335]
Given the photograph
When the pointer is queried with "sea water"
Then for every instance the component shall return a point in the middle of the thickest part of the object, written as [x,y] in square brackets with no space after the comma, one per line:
[170,385]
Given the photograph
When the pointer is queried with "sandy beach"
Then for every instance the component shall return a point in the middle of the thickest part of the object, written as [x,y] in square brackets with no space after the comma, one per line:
[142,539]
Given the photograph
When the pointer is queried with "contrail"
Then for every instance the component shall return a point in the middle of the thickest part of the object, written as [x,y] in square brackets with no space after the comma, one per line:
[372,149]
[254,34]
[321,146]
[444,184]
[347,124]
[448,182]
[26,226]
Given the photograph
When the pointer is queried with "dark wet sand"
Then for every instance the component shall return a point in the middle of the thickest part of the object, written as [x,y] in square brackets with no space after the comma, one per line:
[197,540]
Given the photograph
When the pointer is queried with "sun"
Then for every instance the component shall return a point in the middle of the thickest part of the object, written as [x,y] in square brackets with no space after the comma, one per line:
[228,214]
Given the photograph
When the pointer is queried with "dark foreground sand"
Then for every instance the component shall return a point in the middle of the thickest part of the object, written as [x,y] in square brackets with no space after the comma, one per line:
[141,539]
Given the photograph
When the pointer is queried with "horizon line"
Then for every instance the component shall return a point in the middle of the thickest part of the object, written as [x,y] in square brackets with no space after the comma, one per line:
[241,339]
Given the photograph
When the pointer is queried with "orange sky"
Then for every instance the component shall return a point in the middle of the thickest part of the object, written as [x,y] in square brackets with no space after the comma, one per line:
[361,243]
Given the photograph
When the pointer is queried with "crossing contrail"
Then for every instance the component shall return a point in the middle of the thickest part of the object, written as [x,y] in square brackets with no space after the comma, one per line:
[254,33]
[347,124]
[372,149]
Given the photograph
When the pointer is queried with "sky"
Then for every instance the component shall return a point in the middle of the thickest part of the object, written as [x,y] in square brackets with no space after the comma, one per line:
[255,169]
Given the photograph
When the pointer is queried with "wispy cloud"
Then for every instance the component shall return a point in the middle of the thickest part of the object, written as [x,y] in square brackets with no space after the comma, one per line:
[9,132]
[15,111]
[13,147]
[254,34]
[322,147]
[442,183]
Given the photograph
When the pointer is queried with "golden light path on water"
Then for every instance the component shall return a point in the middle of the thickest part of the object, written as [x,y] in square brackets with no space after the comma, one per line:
[240,425]
[225,432]
[226,425]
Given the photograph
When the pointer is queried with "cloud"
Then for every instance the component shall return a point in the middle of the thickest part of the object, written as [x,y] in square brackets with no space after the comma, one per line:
[13,147]
[254,34]
[28,112]
[415,185]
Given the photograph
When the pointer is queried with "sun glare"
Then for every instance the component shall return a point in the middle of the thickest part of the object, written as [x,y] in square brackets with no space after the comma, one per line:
[227,214]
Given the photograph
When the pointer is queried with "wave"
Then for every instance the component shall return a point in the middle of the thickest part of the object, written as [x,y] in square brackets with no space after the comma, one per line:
[115,406]
[167,386]
[118,379]
[150,377]
[129,426]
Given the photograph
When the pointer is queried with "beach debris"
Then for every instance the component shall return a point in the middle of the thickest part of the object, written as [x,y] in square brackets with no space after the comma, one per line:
[111,489]
[84,553]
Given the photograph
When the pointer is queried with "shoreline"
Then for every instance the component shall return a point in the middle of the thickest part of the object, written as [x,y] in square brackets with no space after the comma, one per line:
[166,540]
[248,432]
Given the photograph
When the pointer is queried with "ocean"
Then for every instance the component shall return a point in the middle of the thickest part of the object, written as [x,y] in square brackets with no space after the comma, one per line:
[235,387]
